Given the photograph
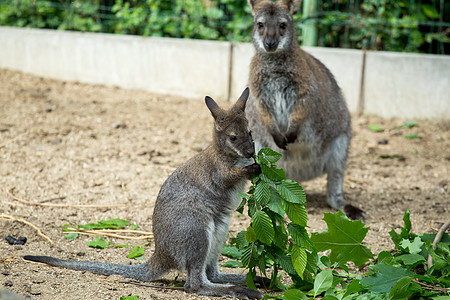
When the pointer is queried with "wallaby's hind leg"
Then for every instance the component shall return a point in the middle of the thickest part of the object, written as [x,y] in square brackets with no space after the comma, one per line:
[334,168]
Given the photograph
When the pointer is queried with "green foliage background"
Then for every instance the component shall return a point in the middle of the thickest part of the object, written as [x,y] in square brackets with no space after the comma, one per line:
[405,25]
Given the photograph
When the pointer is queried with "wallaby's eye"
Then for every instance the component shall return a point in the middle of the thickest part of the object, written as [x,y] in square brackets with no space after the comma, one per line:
[260,25]
[233,138]
[283,25]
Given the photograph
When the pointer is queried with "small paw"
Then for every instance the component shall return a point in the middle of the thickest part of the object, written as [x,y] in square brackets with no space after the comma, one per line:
[245,293]
[253,169]
[354,213]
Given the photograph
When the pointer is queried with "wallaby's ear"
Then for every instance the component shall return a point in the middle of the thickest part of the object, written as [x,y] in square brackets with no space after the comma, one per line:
[292,5]
[215,109]
[253,5]
[240,103]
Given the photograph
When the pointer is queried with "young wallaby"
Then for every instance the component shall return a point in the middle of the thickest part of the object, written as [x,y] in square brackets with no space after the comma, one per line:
[192,213]
[295,104]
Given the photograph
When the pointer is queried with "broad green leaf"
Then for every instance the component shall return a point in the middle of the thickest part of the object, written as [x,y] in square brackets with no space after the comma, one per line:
[98,243]
[232,264]
[343,237]
[105,224]
[275,202]
[384,257]
[300,236]
[232,252]
[411,259]
[400,289]
[414,247]
[430,11]
[240,239]
[353,288]
[296,213]
[322,282]
[122,246]
[136,252]
[273,174]
[384,278]
[262,224]
[294,294]
[250,235]
[247,254]
[262,193]
[299,260]
[410,124]
[405,232]
[266,156]
[292,192]
[286,263]
[375,128]
[71,236]
[250,280]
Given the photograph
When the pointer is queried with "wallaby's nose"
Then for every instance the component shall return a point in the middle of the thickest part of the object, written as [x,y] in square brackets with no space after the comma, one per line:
[270,45]
[250,152]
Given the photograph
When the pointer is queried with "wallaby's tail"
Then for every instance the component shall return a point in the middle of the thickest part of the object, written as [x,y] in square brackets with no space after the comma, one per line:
[140,272]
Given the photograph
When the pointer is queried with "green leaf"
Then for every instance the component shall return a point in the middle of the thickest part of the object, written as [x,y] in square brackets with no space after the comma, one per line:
[250,235]
[384,257]
[240,240]
[232,264]
[296,213]
[299,260]
[122,246]
[275,202]
[411,259]
[250,280]
[292,192]
[410,124]
[353,288]
[232,252]
[300,236]
[273,175]
[266,156]
[322,282]
[133,297]
[414,247]
[98,243]
[343,237]
[262,193]
[375,128]
[286,263]
[106,224]
[136,252]
[384,278]
[262,224]
[400,289]
[294,294]
[430,11]
[71,236]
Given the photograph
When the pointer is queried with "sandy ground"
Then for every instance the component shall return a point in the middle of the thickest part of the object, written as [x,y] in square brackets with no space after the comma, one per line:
[65,143]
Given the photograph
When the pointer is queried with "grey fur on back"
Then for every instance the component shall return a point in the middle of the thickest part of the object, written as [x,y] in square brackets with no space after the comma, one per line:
[295,106]
[192,213]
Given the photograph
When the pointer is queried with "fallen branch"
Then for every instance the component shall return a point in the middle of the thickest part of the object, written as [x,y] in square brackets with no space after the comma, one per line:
[111,233]
[437,239]
[29,224]
[10,194]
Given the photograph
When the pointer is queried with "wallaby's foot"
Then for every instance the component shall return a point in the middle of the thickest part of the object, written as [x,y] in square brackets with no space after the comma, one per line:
[354,213]
[241,292]
[262,282]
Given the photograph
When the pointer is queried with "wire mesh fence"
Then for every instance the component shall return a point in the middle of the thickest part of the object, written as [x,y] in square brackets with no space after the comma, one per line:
[405,25]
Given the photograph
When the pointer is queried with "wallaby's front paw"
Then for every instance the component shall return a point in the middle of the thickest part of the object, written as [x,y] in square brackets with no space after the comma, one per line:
[354,213]
[253,169]
[280,140]
[291,137]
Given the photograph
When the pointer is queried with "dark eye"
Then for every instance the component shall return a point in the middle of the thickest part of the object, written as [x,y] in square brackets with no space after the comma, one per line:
[283,25]
[233,138]
[260,25]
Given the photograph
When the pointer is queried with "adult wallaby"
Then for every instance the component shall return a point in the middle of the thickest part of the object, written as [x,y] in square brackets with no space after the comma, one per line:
[295,104]
[192,213]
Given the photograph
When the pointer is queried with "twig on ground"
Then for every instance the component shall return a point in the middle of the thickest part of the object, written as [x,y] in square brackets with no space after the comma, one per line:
[111,233]
[29,224]
[431,287]
[437,239]
[10,194]
[153,285]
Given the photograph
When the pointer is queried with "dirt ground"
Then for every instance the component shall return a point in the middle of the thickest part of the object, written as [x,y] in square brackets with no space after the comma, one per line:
[65,143]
